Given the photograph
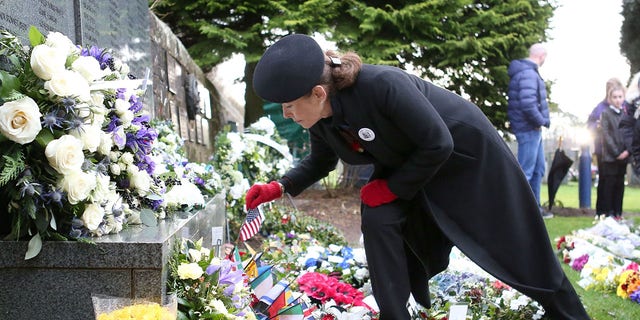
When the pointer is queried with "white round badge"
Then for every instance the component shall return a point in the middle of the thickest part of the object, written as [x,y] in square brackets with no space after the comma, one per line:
[366,134]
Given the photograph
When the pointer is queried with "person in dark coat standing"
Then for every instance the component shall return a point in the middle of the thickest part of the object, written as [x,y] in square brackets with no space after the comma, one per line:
[614,157]
[442,176]
[528,112]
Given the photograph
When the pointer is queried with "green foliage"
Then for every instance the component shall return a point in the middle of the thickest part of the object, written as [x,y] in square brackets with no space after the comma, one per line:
[462,45]
[629,41]
[11,165]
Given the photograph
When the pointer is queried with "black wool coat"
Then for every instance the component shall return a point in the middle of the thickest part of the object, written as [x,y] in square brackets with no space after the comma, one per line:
[441,152]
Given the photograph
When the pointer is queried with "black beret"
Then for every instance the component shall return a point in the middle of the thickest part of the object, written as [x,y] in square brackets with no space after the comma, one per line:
[289,69]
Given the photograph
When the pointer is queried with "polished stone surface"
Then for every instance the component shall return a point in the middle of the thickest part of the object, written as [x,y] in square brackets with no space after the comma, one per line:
[59,282]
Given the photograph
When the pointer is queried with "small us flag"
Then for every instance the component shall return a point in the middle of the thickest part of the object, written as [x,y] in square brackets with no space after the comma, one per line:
[251,225]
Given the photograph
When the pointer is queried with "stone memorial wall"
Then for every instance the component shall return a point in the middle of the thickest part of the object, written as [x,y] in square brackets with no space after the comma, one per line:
[146,44]
[59,282]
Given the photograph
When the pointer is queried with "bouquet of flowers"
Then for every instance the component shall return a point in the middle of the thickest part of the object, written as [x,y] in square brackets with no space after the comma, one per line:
[75,142]
[208,287]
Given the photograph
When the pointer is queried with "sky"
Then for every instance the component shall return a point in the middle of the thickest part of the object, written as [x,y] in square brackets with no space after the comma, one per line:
[583,53]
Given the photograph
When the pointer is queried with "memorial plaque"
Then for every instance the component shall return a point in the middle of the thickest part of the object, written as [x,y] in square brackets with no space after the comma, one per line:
[205,132]
[16,16]
[122,26]
[205,101]
[198,129]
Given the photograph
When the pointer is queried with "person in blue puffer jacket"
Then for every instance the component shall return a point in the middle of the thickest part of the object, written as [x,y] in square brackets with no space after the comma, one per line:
[528,112]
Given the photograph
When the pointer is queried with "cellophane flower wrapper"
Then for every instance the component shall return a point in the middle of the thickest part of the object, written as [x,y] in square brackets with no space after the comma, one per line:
[115,308]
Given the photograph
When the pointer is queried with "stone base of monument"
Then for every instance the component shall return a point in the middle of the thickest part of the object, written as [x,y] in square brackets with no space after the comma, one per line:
[59,282]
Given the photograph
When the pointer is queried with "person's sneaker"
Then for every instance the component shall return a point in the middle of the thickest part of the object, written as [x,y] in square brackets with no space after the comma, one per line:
[545,214]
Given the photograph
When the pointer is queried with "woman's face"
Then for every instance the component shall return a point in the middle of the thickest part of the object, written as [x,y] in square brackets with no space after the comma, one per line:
[308,109]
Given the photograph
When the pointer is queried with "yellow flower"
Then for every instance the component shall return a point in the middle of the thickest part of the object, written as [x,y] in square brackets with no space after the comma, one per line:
[150,311]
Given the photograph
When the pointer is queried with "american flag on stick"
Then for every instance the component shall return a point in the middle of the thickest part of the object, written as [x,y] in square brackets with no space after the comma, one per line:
[251,224]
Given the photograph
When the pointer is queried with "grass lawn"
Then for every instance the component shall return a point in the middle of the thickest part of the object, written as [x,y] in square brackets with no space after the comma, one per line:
[568,196]
[600,306]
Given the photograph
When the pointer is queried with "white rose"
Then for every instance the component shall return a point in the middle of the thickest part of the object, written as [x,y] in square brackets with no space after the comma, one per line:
[65,154]
[89,135]
[45,61]
[20,120]
[140,180]
[189,271]
[61,42]
[115,169]
[126,118]
[88,67]
[78,185]
[102,190]
[106,143]
[126,158]
[67,83]
[92,216]
[121,106]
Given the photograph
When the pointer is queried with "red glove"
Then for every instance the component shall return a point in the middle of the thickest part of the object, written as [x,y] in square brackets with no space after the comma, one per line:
[260,193]
[376,193]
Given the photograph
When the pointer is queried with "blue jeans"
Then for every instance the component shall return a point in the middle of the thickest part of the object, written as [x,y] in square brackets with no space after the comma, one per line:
[531,158]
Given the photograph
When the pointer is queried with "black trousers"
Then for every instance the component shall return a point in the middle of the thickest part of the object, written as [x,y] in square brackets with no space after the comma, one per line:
[396,272]
[611,188]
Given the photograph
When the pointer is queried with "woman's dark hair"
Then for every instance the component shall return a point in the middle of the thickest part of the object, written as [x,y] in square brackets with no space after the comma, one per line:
[342,74]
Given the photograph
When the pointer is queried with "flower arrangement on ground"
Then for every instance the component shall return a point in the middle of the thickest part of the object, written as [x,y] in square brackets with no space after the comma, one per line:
[241,159]
[606,256]
[208,287]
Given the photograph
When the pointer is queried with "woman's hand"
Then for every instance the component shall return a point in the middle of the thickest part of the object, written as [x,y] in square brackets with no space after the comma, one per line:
[260,193]
[376,193]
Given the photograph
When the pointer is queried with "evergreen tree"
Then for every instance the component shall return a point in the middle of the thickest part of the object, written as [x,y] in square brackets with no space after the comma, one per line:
[629,41]
[463,45]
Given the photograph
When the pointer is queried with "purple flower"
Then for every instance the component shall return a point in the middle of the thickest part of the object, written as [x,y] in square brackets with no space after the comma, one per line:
[579,262]
[635,296]
[51,120]
[136,104]
[54,196]
[211,269]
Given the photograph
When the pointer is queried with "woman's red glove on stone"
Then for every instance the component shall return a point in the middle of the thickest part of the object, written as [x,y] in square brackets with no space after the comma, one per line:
[260,193]
[376,193]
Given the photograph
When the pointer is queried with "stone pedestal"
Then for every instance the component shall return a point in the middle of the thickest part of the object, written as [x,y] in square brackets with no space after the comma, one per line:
[59,282]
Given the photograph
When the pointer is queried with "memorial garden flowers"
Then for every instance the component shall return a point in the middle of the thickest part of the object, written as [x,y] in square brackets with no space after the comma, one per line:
[606,255]
[76,143]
